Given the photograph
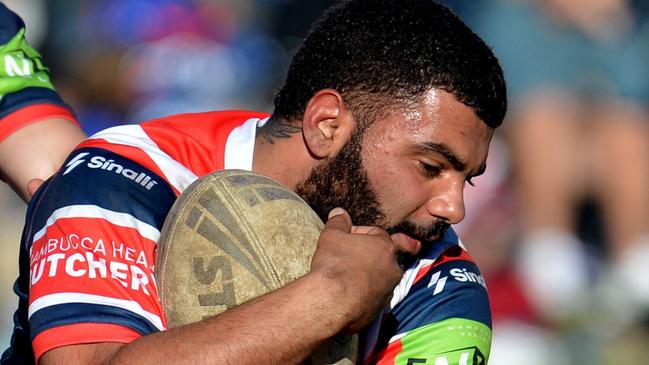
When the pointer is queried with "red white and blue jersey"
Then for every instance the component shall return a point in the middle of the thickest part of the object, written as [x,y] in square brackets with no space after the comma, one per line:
[88,248]
[439,313]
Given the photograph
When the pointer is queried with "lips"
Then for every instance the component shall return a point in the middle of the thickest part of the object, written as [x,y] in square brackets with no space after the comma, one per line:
[407,243]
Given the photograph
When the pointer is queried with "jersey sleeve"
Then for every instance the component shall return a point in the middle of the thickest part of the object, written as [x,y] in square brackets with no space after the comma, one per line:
[26,92]
[444,320]
[91,242]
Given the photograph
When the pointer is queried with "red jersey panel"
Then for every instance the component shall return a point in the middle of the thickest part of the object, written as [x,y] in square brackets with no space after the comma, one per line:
[88,249]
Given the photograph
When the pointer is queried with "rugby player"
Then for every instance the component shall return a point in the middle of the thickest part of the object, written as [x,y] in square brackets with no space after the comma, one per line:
[387,110]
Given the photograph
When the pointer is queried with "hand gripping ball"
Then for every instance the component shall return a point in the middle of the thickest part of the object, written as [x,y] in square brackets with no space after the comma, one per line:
[232,236]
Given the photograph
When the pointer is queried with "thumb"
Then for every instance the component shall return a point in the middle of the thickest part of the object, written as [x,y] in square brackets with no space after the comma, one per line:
[33,185]
[339,219]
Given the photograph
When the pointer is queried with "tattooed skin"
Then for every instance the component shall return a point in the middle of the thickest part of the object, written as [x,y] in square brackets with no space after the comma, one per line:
[278,128]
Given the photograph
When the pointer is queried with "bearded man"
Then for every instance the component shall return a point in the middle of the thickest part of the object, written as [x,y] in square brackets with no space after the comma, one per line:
[387,111]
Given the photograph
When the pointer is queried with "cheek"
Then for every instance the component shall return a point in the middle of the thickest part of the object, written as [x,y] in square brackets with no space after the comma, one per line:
[383,172]
[380,157]
[399,190]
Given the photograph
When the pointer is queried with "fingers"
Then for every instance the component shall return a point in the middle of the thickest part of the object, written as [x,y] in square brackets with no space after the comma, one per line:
[339,219]
[360,264]
[367,230]
[405,248]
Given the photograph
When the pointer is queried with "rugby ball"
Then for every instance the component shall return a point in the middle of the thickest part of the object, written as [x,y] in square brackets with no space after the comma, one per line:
[232,236]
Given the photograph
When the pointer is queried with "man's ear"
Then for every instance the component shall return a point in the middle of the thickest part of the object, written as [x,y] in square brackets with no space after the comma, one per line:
[327,123]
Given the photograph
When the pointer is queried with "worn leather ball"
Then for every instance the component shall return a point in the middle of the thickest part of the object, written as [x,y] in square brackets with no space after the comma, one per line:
[232,236]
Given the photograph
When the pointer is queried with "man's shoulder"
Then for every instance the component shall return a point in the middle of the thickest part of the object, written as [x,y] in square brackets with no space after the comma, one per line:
[444,316]
[201,127]
[443,284]
[215,116]
[178,128]
[184,145]
[451,286]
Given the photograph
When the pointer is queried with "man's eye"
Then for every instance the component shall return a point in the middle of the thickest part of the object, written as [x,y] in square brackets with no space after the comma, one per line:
[430,170]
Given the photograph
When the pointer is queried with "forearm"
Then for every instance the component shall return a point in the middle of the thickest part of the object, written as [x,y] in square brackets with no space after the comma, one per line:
[282,327]
[353,273]
[36,151]
[37,129]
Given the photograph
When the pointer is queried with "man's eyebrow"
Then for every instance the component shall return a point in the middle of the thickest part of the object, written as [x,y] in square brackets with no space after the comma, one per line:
[449,155]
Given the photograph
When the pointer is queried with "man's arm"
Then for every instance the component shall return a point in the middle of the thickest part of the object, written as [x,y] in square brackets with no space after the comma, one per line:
[36,151]
[37,129]
[353,273]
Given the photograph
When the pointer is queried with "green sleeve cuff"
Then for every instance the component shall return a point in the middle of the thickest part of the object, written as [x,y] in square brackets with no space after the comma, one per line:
[21,66]
[454,341]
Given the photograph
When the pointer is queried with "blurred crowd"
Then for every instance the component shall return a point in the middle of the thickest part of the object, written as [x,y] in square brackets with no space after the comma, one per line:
[559,224]
[564,238]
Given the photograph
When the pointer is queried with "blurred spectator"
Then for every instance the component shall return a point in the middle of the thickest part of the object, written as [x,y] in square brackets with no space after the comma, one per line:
[126,61]
[578,131]
[579,80]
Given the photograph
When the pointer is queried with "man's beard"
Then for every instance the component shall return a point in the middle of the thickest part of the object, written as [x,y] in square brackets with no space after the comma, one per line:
[343,182]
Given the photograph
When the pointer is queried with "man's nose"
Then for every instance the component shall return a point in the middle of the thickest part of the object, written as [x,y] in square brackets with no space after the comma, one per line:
[448,204]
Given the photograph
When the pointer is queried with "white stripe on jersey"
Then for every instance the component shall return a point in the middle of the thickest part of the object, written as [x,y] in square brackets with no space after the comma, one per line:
[400,291]
[461,244]
[68,298]
[93,211]
[408,278]
[133,135]
[397,337]
[241,144]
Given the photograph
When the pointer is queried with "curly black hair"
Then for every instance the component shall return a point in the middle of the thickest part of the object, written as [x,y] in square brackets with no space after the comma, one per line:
[371,50]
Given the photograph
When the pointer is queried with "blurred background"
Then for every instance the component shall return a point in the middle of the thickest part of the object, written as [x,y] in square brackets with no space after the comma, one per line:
[559,224]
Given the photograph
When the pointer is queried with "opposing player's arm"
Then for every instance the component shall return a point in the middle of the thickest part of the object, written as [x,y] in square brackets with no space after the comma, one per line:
[36,151]
[37,129]
[445,319]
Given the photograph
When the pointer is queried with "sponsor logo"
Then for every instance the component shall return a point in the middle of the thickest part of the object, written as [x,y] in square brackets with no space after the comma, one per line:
[464,275]
[76,161]
[438,282]
[99,162]
[91,257]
